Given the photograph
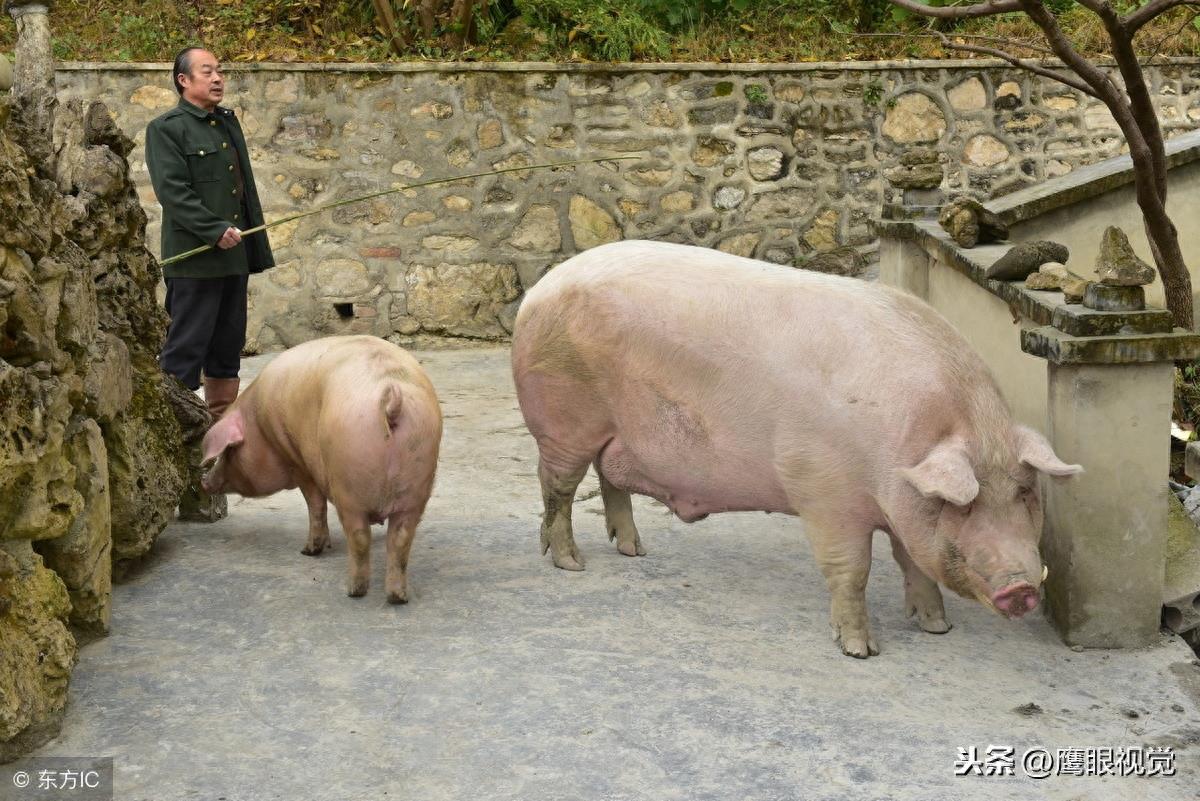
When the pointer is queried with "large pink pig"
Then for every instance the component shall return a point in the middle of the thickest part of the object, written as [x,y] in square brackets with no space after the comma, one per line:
[353,420]
[715,383]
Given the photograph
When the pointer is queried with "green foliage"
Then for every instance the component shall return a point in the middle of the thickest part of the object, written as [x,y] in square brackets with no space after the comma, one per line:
[872,94]
[756,93]
[611,30]
[646,30]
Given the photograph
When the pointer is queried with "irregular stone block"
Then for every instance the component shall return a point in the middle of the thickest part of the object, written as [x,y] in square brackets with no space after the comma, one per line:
[590,224]
[728,197]
[969,223]
[914,117]
[765,163]
[1117,264]
[466,300]
[1105,297]
[838,261]
[1025,258]
[985,150]
[740,245]
[82,557]
[537,230]
[38,653]
[917,176]
[791,203]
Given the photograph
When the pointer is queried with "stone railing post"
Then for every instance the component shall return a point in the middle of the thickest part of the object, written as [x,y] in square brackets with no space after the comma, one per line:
[33,86]
[1109,409]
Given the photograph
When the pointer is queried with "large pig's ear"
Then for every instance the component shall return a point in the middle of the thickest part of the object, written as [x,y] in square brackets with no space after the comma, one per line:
[228,432]
[945,473]
[1035,451]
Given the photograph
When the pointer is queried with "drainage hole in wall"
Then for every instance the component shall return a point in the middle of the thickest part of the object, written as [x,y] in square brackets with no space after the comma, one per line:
[344,310]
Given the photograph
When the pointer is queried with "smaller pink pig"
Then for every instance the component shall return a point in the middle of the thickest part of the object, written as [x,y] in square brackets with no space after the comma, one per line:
[350,419]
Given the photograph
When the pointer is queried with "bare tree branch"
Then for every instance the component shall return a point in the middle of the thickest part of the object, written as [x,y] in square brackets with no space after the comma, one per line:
[1104,88]
[1031,66]
[1137,19]
[1007,41]
[1143,114]
[1166,38]
[985,9]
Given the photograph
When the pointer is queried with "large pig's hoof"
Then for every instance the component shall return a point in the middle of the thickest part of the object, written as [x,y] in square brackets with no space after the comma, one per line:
[397,597]
[858,644]
[569,561]
[314,550]
[631,547]
[357,589]
[930,621]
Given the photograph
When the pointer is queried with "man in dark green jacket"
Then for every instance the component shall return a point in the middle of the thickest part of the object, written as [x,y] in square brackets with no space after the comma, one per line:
[200,170]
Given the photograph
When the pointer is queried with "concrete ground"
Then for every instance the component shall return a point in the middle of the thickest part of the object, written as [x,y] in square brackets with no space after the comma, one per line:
[238,669]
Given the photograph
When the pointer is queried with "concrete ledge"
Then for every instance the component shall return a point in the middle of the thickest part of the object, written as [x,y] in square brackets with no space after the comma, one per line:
[1153,340]
[1060,348]
[1086,182]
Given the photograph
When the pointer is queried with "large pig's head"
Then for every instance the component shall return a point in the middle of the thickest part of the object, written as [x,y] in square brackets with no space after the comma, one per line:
[220,463]
[985,539]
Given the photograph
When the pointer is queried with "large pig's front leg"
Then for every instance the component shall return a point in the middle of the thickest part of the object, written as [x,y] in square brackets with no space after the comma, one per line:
[844,553]
[618,518]
[357,529]
[558,494]
[318,521]
[922,598]
[401,530]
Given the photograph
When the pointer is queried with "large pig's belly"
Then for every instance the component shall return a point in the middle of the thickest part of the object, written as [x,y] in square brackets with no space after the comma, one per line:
[694,464]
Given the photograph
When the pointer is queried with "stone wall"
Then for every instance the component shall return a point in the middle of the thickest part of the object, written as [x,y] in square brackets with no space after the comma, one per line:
[780,162]
[91,462]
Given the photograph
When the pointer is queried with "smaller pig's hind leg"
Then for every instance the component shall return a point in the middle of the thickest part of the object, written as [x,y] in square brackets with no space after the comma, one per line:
[844,555]
[618,517]
[558,495]
[922,598]
[318,520]
[357,529]
[401,530]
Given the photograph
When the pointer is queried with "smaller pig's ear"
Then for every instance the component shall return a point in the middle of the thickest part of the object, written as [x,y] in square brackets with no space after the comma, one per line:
[228,432]
[1035,451]
[945,473]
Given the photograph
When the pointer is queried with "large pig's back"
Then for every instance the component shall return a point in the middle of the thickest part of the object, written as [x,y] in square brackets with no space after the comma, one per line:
[761,355]
[670,304]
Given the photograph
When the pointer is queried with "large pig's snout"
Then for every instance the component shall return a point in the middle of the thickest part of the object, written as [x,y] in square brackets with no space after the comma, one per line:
[1016,599]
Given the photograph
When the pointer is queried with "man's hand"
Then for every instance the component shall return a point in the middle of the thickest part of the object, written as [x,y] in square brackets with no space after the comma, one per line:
[230,238]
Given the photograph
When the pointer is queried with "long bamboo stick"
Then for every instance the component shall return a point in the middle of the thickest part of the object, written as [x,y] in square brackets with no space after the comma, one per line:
[203,248]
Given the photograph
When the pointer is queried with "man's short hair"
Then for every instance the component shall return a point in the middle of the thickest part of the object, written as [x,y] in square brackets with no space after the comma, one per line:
[183,66]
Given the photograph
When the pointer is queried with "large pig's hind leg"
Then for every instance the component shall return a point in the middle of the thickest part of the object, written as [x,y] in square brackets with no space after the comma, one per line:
[844,553]
[618,517]
[922,598]
[357,529]
[401,530]
[558,494]
[318,520]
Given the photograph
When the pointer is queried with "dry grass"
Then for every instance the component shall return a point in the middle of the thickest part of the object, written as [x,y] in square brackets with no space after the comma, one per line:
[328,30]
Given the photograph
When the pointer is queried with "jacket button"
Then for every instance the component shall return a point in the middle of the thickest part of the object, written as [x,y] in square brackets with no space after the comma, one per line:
[231,168]
[212,122]
[224,144]
[235,216]
[201,152]
[235,191]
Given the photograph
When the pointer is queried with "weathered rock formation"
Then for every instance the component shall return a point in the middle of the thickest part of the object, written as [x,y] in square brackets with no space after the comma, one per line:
[91,463]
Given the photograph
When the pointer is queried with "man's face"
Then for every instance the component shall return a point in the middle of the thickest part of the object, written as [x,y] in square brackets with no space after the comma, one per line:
[204,87]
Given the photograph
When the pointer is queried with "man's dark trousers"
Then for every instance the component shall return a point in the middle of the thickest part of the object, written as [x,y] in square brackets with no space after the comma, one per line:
[208,328]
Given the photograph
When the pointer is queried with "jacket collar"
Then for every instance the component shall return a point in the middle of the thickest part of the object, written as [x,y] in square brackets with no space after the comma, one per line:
[196,111]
